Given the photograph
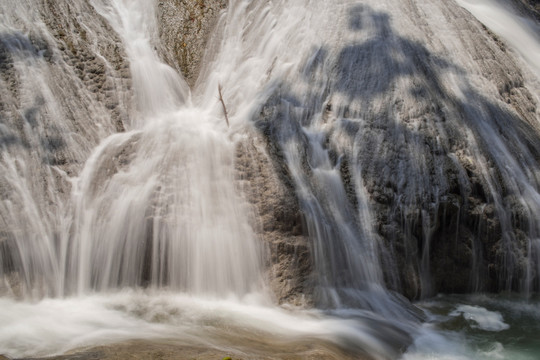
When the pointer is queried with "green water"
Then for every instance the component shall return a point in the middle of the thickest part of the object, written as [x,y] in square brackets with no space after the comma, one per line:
[479,327]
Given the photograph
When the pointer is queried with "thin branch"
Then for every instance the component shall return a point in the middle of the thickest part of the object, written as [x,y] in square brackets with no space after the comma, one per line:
[223,104]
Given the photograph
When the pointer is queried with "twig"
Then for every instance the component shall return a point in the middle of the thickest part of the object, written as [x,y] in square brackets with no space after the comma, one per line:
[223,104]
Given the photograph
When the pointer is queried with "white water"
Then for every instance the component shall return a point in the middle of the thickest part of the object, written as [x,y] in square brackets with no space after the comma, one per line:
[165,188]
[54,326]
[159,89]
[490,327]
[483,318]
[167,184]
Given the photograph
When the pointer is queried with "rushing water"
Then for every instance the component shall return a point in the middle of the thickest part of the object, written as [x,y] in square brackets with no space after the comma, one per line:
[479,327]
[175,192]
[369,87]
[457,328]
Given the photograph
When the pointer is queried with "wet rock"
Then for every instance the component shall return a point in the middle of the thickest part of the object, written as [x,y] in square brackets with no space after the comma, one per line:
[528,7]
[278,221]
[184,27]
[242,349]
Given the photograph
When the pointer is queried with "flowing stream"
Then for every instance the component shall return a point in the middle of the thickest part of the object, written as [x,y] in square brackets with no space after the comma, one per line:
[122,216]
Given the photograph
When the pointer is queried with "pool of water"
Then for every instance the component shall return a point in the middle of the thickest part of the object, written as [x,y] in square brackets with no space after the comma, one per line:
[479,327]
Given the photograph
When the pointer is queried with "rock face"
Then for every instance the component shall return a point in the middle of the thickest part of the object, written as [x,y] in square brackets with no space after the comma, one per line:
[60,66]
[278,221]
[83,64]
[451,225]
[453,218]
[448,216]
[184,27]
[97,59]
[530,7]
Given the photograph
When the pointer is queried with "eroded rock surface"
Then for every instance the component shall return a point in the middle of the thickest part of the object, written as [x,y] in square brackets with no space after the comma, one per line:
[184,27]
[278,220]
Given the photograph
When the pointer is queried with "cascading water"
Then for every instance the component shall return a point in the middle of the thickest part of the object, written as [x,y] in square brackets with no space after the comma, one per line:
[522,34]
[407,134]
[153,206]
[46,135]
[157,205]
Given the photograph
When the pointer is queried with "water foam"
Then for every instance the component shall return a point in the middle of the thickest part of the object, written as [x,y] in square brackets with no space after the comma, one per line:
[484,319]
[55,326]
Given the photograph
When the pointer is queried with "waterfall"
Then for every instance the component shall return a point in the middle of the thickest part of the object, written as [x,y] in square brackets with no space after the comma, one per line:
[157,205]
[402,139]
[522,35]
[158,88]
[52,118]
